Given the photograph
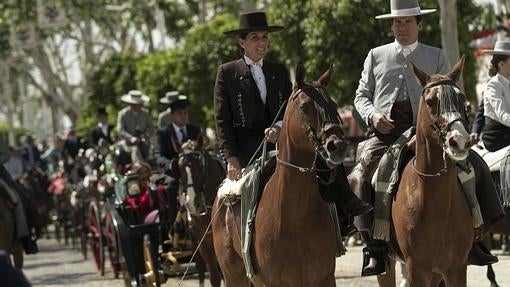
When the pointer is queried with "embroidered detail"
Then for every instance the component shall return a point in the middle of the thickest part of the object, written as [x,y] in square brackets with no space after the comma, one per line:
[280,99]
[241,111]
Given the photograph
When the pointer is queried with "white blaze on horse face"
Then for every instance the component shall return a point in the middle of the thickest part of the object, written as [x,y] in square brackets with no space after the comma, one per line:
[190,191]
[457,142]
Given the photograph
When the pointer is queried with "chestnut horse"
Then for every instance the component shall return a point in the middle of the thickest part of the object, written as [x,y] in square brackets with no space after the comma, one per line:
[432,222]
[200,176]
[294,242]
[8,241]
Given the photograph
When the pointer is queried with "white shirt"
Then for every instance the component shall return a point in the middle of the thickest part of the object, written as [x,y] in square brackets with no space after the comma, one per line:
[178,133]
[496,99]
[405,50]
[258,76]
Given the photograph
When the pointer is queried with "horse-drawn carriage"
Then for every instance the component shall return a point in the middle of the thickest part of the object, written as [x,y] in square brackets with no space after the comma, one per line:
[139,243]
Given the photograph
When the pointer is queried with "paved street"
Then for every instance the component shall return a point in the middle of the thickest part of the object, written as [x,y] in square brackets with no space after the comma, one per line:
[57,265]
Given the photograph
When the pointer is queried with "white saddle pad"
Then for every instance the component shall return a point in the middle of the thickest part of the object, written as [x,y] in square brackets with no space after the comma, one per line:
[492,159]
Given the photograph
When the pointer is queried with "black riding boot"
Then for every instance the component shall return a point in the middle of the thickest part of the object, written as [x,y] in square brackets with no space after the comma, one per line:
[29,245]
[341,193]
[374,255]
[480,255]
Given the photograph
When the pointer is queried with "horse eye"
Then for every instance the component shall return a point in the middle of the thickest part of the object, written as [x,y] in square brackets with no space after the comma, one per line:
[303,108]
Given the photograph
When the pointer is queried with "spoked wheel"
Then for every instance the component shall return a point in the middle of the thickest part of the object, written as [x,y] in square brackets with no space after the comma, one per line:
[153,276]
[112,244]
[95,237]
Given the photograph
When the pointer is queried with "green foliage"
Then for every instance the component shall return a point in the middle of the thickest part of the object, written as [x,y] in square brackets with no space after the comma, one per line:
[205,49]
[153,74]
[113,79]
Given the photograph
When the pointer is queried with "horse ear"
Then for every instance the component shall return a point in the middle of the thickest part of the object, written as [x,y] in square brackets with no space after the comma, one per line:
[324,79]
[300,75]
[455,73]
[200,140]
[421,76]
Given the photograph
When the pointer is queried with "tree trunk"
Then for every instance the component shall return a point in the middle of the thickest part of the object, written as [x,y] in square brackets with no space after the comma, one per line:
[7,91]
[449,33]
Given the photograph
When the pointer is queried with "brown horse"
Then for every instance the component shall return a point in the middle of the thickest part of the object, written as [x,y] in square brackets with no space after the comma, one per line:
[200,176]
[294,234]
[8,241]
[432,222]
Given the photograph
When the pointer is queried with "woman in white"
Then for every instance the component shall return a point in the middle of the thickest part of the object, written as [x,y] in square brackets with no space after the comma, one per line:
[496,132]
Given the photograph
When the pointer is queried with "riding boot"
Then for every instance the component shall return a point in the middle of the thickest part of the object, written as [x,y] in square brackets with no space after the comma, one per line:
[348,201]
[29,245]
[480,255]
[374,255]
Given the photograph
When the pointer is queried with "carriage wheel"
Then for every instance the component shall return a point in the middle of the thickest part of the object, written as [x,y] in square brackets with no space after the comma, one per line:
[112,245]
[83,230]
[95,237]
[153,276]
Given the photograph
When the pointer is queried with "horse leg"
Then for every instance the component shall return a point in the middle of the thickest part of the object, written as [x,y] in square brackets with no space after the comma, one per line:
[437,280]
[456,277]
[492,276]
[207,252]
[230,261]
[17,255]
[201,269]
[418,275]
[388,279]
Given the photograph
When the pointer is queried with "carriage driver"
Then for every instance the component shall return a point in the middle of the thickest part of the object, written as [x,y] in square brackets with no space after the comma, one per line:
[387,99]
[247,97]
[164,118]
[134,124]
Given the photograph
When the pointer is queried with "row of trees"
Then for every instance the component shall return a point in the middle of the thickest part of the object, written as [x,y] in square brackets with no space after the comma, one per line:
[108,47]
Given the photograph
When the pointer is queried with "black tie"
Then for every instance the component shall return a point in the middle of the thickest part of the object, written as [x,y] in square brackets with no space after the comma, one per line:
[183,134]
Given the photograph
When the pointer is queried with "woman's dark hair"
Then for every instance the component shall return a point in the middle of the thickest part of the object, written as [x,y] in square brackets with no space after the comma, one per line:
[419,18]
[494,68]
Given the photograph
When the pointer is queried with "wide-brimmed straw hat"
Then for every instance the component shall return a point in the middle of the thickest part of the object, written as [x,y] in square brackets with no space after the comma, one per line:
[501,48]
[135,97]
[253,21]
[169,96]
[404,8]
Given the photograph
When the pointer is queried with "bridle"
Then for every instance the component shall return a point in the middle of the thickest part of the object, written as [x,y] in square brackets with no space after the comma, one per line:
[323,107]
[441,131]
[203,163]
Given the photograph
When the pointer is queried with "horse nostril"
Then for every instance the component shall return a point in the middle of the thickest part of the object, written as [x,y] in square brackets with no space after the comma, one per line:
[452,142]
[331,146]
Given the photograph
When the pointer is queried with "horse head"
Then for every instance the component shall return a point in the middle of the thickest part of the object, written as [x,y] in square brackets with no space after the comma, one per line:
[444,103]
[193,167]
[317,114]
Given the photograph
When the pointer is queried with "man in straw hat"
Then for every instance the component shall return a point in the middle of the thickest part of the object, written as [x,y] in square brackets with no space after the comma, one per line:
[164,117]
[134,124]
[387,100]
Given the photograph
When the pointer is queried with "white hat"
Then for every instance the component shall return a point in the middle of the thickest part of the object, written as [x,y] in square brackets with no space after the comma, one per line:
[169,96]
[404,8]
[134,97]
[501,48]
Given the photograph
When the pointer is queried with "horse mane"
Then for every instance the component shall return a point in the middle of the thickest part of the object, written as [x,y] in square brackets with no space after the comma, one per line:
[327,109]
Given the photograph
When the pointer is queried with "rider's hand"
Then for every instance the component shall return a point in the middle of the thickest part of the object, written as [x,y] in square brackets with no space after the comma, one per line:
[135,140]
[382,123]
[272,133]
[233,168]
[475,138]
